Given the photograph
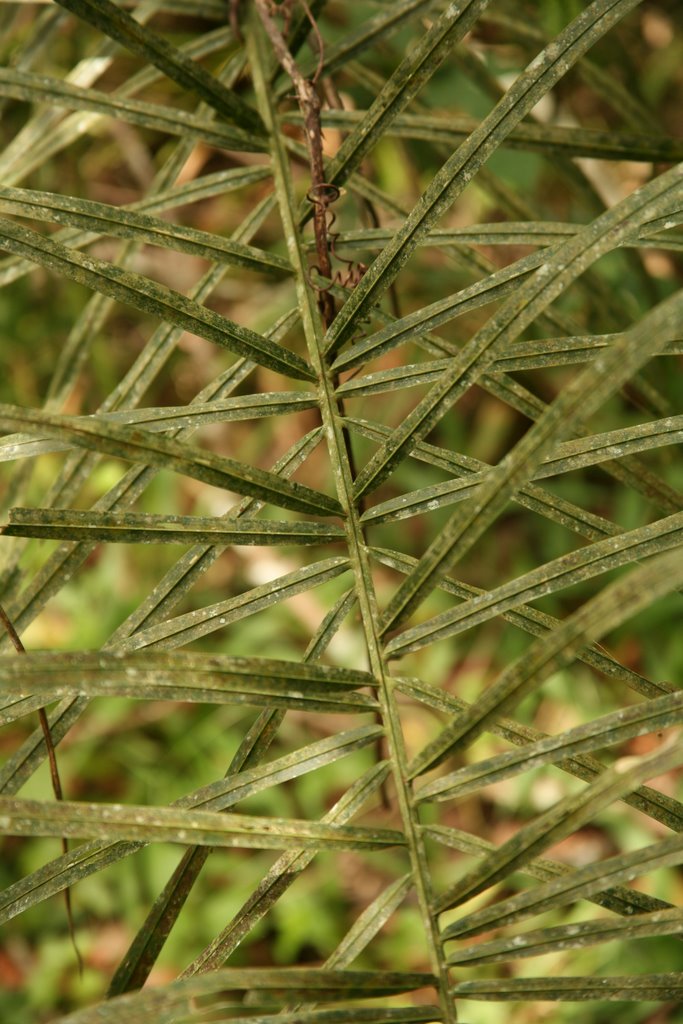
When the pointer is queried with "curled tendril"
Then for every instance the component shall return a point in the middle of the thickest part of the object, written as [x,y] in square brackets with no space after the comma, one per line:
[324,195]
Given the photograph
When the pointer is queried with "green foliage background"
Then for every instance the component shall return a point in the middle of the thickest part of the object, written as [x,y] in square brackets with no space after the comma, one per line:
[148,439]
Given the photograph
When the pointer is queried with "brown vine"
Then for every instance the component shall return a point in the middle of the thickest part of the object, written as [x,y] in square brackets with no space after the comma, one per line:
[322,194]
[54,777]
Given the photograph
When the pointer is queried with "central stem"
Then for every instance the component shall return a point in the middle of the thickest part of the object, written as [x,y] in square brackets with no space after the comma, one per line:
[320,194]
[358,553]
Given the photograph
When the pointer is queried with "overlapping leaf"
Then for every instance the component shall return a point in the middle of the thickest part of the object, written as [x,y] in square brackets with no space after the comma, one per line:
[380,75]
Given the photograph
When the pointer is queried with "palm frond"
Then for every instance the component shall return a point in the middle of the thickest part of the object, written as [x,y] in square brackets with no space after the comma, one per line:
[416,488]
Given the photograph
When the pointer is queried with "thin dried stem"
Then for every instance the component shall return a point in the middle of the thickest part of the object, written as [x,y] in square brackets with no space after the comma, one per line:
[54,776]
[320,194]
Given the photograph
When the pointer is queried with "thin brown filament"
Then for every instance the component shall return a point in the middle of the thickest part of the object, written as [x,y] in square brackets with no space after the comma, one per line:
[54,777]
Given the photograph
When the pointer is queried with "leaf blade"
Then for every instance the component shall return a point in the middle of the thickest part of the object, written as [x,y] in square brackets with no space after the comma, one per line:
[148,296]
[151,449]
[543,72]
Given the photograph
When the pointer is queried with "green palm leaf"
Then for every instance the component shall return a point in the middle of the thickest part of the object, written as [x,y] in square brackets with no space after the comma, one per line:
[24,85]
[480,420]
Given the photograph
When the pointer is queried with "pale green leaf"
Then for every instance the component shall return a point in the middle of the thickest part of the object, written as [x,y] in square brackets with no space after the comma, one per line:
[581,883]
[149,448]
[605,731]
[547,68]
[149,297]
[145,528]
[583,395]
[613,605]
[583,564]
[184,628]
[141,40]
[103,219]
[624,989]
[24,85]
[562,819]
[572,936]
[184,677]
